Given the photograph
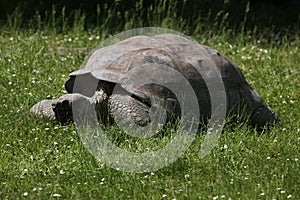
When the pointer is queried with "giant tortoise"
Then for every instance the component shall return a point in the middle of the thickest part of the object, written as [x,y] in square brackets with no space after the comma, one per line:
[107,65]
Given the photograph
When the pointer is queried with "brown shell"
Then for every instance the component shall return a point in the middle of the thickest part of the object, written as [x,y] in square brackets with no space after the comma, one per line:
[182,54]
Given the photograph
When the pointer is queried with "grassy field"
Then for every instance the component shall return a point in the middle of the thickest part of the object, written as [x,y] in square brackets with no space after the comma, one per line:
[41,160]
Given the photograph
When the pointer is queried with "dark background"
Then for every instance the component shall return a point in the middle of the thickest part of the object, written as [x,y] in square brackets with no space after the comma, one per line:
[262,13]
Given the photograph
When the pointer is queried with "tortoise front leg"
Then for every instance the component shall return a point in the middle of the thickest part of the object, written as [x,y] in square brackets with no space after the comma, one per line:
[128,110]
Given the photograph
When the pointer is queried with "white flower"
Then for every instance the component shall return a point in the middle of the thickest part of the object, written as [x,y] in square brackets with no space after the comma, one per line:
[25,194]
[56,195]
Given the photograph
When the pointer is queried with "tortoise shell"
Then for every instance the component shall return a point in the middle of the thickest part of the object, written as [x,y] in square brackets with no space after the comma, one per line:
[110,65]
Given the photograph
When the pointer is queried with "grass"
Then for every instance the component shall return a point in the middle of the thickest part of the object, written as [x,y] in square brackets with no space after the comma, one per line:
[41,160]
